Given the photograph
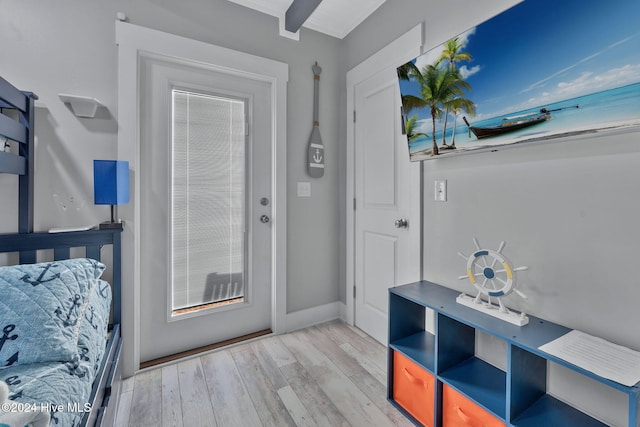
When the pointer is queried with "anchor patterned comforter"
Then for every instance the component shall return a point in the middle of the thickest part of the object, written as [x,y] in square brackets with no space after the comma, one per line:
[53,329]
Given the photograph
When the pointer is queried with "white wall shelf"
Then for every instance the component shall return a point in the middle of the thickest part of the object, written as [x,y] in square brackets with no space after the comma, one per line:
[82,106]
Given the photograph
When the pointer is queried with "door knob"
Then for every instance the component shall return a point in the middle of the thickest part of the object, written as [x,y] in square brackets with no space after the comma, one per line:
[401,223]
[265,219]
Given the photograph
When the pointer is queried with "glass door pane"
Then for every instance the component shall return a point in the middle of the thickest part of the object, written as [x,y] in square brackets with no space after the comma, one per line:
[208,200]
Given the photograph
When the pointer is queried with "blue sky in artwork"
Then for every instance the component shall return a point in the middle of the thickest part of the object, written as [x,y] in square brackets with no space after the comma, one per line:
[544,51]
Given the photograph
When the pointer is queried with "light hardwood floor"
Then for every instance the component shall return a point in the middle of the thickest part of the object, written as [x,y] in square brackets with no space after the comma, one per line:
[326,375]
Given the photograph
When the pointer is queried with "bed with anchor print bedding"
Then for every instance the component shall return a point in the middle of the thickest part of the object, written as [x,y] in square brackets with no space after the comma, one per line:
[53,331]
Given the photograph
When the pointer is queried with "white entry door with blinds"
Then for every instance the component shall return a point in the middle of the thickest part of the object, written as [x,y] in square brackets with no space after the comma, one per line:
[205,206]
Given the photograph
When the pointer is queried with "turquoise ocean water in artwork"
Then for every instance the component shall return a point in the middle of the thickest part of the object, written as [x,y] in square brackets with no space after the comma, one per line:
[611,108]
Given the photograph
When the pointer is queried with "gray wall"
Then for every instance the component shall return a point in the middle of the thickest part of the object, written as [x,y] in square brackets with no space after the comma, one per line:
[442,20]
[568,210]
[68,46]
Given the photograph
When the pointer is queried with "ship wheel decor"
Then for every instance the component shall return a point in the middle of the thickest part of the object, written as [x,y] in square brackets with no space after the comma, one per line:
[491,274]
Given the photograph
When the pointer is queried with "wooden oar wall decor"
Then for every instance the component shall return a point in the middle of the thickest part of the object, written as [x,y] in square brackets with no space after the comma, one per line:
[315,155]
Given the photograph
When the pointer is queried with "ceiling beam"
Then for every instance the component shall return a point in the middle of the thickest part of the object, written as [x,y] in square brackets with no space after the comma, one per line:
[298,13]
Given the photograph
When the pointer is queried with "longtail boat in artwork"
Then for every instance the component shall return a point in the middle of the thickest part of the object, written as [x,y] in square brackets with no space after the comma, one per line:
[507,125]
[510,124]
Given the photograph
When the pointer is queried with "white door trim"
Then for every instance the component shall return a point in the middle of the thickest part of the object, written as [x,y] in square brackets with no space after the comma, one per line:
[131,40]
[399,51]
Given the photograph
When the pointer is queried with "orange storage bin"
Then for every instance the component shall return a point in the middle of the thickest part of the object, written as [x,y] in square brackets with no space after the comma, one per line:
[413,389]
[458,411]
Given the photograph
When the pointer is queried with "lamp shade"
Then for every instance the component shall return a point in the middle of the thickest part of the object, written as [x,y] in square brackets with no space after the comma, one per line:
[110,182]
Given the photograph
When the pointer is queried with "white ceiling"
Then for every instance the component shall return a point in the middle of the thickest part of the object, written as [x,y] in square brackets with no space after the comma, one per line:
[333,17]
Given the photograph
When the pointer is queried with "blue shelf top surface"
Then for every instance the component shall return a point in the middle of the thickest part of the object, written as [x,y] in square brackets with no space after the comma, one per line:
[441,299]
[529,337]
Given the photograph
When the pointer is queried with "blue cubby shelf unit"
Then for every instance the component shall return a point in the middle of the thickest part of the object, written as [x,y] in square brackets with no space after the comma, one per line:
[517,396]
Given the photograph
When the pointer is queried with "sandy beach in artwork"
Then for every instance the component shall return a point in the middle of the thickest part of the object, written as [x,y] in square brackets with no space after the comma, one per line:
[557,136]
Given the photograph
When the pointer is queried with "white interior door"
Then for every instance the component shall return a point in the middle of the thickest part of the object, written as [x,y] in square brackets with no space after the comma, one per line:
[205,169]
[387,191]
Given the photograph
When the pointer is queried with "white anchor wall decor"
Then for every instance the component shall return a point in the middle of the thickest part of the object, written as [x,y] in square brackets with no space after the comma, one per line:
[315,155]
[492,275]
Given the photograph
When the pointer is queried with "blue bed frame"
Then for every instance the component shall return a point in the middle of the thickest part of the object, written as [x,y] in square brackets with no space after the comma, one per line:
[106,387]
[22,132]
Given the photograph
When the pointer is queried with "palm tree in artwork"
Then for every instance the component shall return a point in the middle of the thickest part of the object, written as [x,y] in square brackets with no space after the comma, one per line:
[408,70]
[440,85]
[457,105]
[452,53]
[410,129]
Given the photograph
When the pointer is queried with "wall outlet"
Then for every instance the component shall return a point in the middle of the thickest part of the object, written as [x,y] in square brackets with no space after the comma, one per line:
[440,190]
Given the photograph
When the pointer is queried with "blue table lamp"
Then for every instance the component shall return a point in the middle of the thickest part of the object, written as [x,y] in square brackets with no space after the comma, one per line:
[111,187]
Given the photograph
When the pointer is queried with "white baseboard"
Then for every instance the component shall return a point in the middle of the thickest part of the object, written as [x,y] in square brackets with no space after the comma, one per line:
[313,316]
[343,313]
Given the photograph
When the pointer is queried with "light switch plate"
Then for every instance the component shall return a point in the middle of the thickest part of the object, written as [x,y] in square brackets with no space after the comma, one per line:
[304,189]
[440,190]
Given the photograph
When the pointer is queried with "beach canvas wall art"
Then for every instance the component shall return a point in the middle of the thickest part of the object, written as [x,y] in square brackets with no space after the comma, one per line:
[540,71]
